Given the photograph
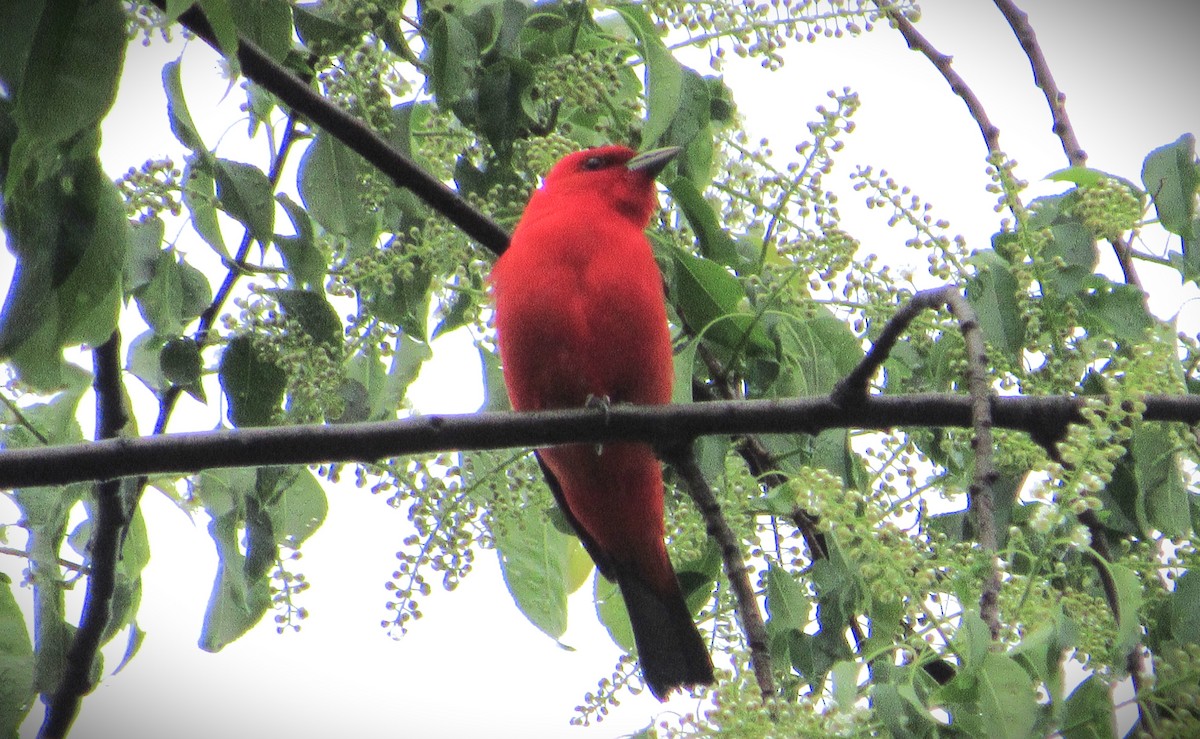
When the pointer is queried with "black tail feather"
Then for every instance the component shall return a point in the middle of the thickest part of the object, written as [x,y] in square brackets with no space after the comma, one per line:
[670,649]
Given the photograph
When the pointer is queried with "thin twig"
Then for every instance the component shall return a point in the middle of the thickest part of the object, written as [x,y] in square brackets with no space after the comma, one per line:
[1018,20]
[64,563]
[944,63]
[683,459]
[104,551]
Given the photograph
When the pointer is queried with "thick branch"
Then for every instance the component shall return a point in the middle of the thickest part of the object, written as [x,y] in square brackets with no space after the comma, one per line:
[1044,418]
[300,97]
[736,570]
[104,550]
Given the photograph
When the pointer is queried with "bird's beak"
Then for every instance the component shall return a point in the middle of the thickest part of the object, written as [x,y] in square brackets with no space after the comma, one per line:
[654,161]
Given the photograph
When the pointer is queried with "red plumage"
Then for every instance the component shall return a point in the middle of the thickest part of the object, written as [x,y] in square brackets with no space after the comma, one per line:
[580,314]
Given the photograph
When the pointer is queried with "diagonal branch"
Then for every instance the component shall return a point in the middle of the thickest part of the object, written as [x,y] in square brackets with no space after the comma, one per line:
[1018,20]
[944,63]
[300,97]
[683,459]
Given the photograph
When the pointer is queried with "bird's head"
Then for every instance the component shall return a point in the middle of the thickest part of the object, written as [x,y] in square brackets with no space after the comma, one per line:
[612,175]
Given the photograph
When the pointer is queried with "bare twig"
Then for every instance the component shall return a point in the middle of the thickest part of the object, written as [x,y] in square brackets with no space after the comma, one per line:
[65,563]
[1018,20]
[683,459]
[104,550]
[944,63]
[853,388]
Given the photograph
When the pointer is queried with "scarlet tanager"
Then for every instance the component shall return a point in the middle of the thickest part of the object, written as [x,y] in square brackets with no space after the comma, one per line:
[580,316]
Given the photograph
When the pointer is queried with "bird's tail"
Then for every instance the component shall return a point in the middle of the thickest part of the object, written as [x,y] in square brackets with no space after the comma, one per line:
[670,649]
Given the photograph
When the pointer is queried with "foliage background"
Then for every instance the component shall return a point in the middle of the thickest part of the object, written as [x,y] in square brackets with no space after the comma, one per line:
[485,662]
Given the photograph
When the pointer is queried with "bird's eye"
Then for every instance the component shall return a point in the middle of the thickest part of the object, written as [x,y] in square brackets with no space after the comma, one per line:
[593,163]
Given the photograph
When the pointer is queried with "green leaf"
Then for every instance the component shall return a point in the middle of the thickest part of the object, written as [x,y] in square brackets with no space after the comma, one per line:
[535,561]
[1082,176]
[331,185]
[1172,176]
[299,510]
[1162,492]
[220,18]
[1184,608]
[144,359]
[16,662]
[710,300]
[1074,245]
[611,610]
[68,81]
[971,644]
[504,89]
[69,235]
[238,601]
[1041,654]
[845,683]
[1089,712]
[319,28]
[451,57]
[253,383]
[664,75]
[1006,697]
[993,293]
[145,248]
[245,193]
[200,198]
[268,23]
[303,259]
[787,600]
[1129,601]
[313,312]
[714,243]
[178,114]
[690,129]
[176,293]
[1115,309]
[180,361]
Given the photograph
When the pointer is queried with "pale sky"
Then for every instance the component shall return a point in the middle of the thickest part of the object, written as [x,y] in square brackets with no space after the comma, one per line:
[474,666]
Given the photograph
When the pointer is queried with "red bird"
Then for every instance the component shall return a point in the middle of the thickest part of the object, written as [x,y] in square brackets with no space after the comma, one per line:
[580,316]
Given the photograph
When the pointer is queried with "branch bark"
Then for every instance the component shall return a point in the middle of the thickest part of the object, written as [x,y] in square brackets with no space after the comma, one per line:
[300,97]
[736,571]
[105,551]
[1044,418]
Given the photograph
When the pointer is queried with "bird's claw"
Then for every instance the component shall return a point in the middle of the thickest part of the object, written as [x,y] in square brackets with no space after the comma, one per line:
[602,403]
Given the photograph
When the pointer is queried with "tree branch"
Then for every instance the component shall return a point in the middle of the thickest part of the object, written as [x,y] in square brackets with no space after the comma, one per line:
[980,497]
[683,459]
[854,387]
[105,550]
[917,42]
[1018,20]
[300,97]
[1044,418]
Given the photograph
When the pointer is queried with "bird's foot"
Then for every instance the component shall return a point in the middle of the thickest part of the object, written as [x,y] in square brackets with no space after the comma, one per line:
[602,403]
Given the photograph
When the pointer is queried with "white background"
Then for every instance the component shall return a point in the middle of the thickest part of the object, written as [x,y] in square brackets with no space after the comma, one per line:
[474,666]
